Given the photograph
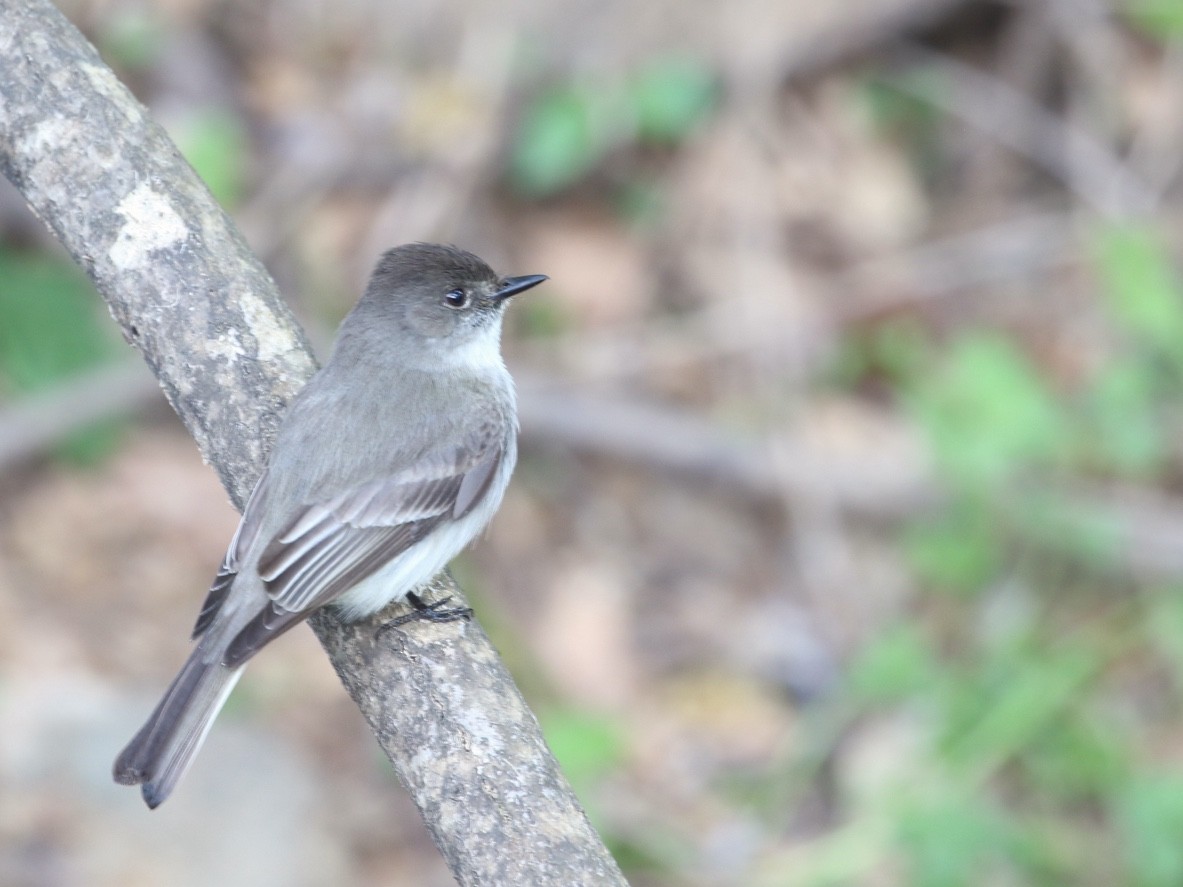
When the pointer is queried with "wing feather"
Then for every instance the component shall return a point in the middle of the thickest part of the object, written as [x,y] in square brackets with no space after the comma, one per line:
[243,536]
[331,546]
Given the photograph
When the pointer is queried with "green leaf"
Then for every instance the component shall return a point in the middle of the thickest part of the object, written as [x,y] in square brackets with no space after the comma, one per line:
[1164,630]
[541,318]
[567,131]
[560,141]
[51,329]
[1150,821]
[1044,520]
[1028,695]
[214,142]
[902,348]
[959,550]
[895,352]
[951,841]
[1142,288]
[1158,18]
[895,106]
[49,322]
[989,413]
[896,664]
[1079,759]
[1125,432]
[641,202]
[587,746]
[892,104]
[92,445]
[670,97]
[131,39]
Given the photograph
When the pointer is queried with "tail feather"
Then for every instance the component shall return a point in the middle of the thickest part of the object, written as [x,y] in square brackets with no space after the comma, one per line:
[162,751]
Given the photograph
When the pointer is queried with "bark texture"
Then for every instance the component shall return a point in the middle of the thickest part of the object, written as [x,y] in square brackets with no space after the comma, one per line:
[208,319]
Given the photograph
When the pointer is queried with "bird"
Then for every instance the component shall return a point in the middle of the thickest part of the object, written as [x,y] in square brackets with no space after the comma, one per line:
[392,458]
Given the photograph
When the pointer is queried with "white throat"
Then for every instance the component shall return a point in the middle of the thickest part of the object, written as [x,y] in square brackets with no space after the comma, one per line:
[481,354]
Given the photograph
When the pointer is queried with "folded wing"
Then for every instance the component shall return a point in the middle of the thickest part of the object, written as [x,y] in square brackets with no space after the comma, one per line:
[333,545]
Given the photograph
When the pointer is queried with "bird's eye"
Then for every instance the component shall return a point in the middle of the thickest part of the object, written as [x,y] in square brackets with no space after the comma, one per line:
[456,298]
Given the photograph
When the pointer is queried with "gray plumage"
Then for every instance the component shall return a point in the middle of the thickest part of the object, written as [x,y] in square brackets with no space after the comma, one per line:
[387,464]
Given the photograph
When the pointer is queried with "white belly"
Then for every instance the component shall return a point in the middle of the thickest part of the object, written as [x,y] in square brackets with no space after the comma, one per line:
[420,563]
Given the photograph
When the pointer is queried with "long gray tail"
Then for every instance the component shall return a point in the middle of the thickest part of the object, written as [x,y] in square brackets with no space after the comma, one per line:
[162,751]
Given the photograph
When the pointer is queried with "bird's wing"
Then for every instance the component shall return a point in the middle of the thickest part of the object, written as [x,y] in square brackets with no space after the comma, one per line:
[328,547]
[248,529]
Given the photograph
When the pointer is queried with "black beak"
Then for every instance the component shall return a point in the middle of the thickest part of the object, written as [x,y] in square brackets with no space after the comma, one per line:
[511,286]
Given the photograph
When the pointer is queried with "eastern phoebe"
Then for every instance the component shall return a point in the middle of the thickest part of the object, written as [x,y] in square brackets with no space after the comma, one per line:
[387,464]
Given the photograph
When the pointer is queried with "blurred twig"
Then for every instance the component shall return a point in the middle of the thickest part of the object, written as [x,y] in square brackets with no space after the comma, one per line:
[874,482]
[436,202]
[889,477]
[891,480]
[33,424]
[1025,60]
[1017,248]
[1084,164]
[207,318]
[1159,155]
[673,442]
[866,33]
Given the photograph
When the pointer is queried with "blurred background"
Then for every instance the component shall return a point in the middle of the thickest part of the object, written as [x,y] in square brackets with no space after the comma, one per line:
[847,543]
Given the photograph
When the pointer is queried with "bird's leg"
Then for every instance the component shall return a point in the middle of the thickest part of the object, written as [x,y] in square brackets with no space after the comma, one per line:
[434,611]
[423,611]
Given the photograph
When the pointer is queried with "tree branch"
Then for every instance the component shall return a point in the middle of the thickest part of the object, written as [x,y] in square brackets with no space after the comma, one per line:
[208,319]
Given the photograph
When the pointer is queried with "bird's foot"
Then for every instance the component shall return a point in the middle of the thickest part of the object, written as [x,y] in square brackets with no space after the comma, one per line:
[436,611]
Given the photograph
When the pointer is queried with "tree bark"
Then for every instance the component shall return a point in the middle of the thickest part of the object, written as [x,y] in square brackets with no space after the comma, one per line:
[208,319]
